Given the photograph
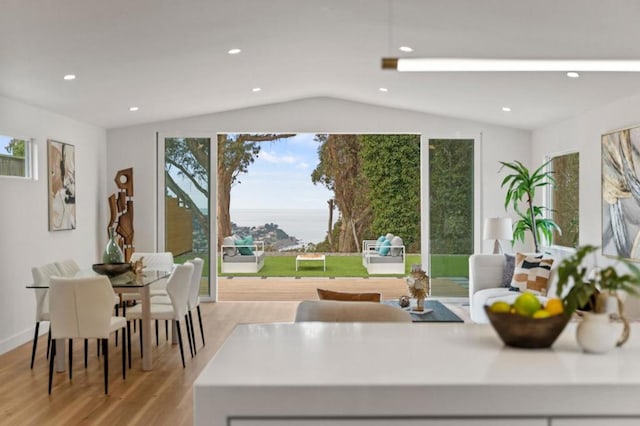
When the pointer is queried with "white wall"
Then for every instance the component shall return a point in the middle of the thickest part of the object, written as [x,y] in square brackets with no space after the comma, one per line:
[583,134]
[24,237]
[135,146]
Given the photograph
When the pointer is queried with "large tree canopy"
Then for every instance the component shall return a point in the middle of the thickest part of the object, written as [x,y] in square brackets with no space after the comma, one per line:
[391,163]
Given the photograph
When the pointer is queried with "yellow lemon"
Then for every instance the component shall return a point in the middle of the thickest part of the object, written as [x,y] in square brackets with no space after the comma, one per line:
[499,307]
[526,304]
[554,306]
[542,313]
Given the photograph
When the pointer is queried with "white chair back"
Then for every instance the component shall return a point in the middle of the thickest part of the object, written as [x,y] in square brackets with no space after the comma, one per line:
[41,276]
[162,261]
[81,307]
[178,288]
[194,290]
[68,267]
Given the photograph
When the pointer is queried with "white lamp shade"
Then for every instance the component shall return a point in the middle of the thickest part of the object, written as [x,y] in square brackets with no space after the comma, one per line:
[498,228]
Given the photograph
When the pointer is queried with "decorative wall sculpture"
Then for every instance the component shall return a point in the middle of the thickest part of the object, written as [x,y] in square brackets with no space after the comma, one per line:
[62,185]
[121,212]
[621,193]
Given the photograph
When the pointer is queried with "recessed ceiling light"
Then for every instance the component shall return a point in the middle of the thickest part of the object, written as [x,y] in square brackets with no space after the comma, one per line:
[256,89]
[234,51]
[573,74]
[133,108]
[406,49]
[383,89]
[506,109]
[69,77]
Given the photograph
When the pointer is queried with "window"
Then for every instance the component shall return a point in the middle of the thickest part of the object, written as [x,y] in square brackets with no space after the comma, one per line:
[564,199]
[16,157]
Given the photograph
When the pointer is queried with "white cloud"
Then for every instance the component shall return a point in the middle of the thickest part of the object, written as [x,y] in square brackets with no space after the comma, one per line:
[302,165]
[277,159]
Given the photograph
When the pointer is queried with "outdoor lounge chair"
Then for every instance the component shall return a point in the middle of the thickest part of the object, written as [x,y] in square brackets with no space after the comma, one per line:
[391,261]
[233,260]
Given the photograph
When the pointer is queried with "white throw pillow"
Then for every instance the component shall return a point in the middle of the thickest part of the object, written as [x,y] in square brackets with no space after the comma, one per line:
[396,250]
[232,250]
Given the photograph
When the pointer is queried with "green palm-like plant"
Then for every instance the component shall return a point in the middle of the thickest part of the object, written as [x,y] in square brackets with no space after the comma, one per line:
[521,187]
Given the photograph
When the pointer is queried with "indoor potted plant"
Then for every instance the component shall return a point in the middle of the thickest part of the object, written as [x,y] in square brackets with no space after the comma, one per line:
[522,185]
[593,291]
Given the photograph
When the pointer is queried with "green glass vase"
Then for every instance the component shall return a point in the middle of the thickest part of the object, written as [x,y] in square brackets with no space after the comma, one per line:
[112,251]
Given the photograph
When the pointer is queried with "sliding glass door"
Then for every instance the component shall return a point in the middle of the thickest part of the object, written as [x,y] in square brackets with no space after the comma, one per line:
[451,215]
[186,201]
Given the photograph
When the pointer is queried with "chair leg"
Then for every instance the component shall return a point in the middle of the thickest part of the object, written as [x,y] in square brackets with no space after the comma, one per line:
[124,354]
[86,351]
[166,330]
[180,343]
[156,333]
[116,309]
[105,352]
[35,343]
[98,348]
[49,341]
[129,342]
[51,358]
[70,357]
[186,321]
[193,333]
[200,321]
[140,334]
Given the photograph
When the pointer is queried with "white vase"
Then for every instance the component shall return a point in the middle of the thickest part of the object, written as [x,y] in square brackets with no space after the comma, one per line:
[597,333]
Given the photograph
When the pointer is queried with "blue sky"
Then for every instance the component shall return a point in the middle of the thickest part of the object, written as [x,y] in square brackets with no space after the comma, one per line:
[4,141]
[281,177]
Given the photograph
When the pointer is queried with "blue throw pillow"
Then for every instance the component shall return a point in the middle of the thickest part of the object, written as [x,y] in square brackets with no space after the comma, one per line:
[246,241]
[385,247]
[379,242]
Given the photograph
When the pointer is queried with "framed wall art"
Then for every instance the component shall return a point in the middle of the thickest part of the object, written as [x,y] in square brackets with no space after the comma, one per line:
[62,185]
[621,193]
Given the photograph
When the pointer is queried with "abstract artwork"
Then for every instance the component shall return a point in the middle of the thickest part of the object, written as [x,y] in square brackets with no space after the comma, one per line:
[621,193]
[62,185]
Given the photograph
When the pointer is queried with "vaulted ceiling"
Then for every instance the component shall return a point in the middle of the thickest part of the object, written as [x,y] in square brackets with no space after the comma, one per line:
[170,59]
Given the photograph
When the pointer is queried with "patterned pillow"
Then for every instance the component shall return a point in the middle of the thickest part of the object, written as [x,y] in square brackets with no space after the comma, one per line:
[531,274]
[230,250]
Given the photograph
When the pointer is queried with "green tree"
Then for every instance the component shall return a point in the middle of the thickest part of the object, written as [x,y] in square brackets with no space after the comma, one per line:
[451,196]
[340,170]
[391,164]
[16,147]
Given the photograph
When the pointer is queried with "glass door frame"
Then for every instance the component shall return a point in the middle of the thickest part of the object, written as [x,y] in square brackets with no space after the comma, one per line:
[425,185]
[213,202]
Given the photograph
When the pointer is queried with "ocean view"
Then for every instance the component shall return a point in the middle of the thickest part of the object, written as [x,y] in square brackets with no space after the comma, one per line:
[309,226]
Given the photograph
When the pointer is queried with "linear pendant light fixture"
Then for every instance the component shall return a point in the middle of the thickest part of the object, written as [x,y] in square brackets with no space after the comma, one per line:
[508,65]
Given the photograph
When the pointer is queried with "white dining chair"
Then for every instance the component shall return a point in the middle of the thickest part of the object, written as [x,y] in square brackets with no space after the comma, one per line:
[81,308]
[41,276]
[193,302]
[178,291]
[68,267]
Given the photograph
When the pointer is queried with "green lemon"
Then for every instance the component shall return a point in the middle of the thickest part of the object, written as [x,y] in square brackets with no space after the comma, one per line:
[526,304]
[542,313]
[499,307]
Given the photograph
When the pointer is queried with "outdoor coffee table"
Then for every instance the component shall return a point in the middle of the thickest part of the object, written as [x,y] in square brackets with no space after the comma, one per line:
[311,258]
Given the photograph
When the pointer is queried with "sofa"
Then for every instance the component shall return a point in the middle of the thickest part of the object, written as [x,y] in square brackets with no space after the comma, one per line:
[238,257]
[485,284]
[384,259]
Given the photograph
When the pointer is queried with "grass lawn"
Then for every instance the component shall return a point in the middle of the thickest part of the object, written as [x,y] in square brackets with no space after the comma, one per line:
[337,266]
[342,266]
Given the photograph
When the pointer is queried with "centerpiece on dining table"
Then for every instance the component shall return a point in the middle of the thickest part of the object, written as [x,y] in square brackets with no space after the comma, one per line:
[418,286]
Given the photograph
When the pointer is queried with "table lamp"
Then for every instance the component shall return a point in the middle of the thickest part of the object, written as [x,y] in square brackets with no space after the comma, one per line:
[497,228]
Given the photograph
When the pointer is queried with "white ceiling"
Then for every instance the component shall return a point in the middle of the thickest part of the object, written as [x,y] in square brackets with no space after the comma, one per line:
[169,57]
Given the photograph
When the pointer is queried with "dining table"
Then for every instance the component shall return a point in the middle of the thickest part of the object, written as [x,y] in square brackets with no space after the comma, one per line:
[128,282]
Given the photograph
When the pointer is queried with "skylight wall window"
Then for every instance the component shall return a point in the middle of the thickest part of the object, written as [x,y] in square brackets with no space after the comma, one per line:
[17,157]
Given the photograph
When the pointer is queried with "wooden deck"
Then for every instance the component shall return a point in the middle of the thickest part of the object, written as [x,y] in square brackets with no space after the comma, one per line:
[298,289]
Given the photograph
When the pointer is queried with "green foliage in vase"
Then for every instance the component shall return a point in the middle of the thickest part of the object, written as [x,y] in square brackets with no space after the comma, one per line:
[572,273]
[521,188]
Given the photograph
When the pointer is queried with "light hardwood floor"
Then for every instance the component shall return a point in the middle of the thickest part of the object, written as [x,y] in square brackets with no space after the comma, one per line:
[163,396]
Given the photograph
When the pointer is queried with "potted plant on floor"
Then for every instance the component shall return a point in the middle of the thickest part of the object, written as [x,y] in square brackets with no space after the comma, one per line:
[595,290]
[521,187]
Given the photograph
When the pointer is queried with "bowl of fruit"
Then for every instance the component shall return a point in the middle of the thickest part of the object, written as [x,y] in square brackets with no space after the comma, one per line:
[527,323]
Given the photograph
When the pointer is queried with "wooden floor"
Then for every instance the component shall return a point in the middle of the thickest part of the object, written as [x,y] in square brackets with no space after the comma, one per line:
[163,396]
